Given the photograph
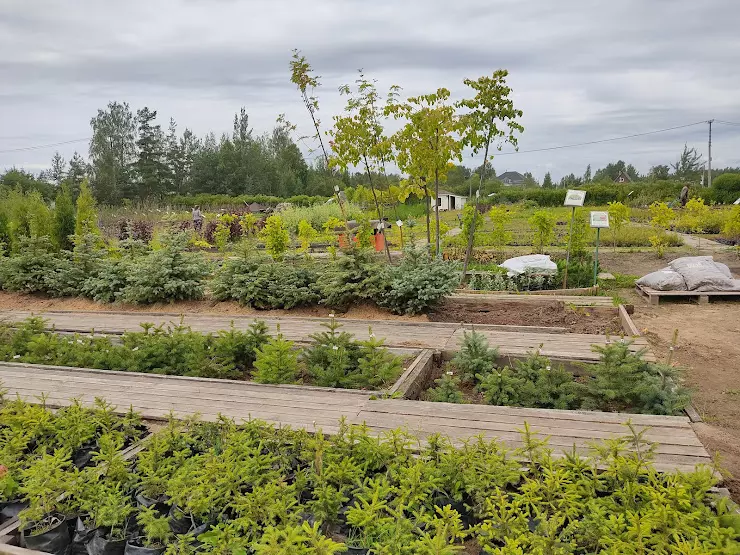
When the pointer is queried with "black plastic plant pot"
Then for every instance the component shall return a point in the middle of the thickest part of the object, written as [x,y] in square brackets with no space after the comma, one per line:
[55,538]
[157,502]
[133,549]
[10,509]
[80,538]
[82,456]
[357,550]
[180,523]
[100,545]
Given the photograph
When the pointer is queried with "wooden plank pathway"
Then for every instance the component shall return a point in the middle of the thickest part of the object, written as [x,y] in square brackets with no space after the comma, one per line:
[575,300]
[156,396]
[440,336]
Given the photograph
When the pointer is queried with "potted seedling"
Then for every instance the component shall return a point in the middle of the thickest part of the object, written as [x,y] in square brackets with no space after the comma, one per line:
[10,503]
[43,523]
[156,533]
[109,511]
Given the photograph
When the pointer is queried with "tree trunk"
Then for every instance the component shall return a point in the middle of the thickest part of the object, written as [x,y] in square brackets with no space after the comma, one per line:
[436,213]
[471,234]
[377,209]
[428,200]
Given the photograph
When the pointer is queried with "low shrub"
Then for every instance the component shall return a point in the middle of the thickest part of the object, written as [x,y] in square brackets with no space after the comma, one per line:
[417,283]
[167,275]
[621,381]
[350,279]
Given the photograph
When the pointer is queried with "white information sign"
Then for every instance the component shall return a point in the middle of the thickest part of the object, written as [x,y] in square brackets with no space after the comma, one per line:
[574,198]
[600,219]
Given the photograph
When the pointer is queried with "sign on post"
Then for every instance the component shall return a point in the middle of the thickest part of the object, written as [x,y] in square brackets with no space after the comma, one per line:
[600,219]
[574,198]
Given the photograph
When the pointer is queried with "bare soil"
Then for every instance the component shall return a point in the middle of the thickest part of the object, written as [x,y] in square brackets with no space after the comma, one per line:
[708,347]
[548,313]
[34,303]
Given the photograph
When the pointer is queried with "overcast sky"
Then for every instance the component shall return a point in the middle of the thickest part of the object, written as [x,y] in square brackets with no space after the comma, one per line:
[581,70]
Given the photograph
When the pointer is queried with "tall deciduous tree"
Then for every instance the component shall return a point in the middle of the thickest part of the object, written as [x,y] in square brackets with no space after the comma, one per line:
[113,151]
[491,118]
[358,138]
[150,166]
[426,145]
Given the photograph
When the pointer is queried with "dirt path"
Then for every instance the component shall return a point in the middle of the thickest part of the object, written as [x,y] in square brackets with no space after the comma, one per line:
[708,347]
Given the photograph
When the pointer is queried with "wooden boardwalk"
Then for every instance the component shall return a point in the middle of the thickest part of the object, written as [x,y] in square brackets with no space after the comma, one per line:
[440,336]
[155,397]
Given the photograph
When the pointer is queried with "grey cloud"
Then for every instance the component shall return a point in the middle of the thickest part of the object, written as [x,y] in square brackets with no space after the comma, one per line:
[581,70]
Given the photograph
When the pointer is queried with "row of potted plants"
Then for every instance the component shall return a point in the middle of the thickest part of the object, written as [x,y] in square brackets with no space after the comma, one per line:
[223,488]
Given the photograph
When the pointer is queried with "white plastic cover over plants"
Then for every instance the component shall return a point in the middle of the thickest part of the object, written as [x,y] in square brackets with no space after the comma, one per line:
[539,263]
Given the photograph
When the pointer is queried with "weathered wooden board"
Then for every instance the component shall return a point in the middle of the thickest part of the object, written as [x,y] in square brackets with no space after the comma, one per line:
[158,397]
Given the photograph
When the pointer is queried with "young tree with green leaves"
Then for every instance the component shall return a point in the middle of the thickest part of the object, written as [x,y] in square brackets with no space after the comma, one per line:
[358,138]
[542,223]
[112,151]
[491,118]
[619,214]
[303,77]
[64,219]
[276,237]
[87,217]
[427,145]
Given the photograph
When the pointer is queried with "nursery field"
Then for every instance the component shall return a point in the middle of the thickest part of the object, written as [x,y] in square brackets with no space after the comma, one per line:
[220,487]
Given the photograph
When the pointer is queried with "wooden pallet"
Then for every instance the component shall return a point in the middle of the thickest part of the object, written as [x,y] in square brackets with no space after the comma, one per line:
[702,297]
[156,397]
[472,297]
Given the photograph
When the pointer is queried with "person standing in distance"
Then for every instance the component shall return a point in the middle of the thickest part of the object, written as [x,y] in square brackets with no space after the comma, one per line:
[197,219]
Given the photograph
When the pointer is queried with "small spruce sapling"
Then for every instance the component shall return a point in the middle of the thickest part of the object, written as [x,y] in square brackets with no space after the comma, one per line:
[447,390]
[377,366]
[276,361]
[475,356]
[156,528]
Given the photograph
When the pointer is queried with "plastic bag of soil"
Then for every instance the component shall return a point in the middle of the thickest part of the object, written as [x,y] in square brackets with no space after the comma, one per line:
[663,280]
[55,540]
[10,509]
[701,273]
[80,538]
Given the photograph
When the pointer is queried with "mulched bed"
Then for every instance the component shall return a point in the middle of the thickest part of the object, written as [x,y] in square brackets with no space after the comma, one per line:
[547,313]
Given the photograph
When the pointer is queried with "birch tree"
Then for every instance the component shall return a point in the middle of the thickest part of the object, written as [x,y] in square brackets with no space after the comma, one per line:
[490,120]
[427,145]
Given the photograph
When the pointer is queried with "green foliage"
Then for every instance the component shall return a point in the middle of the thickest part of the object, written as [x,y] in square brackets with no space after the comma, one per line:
[726,187]
[543,227]
[276,238]
[578,236]
[64,219]
[475,357]
[276,361]
[695,216]
[306,234]
[167,275]
[526,281]
[447,389]
[619,214]
[661,217]
[417,283]
[266,285]
[28,271]
[86,220]
[623,381]
[469,211]
[732,226]
[350,279]
[336,359]
[500,217]
[281,491]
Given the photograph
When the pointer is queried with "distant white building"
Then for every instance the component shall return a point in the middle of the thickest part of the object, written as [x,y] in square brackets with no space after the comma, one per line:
[450,201]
